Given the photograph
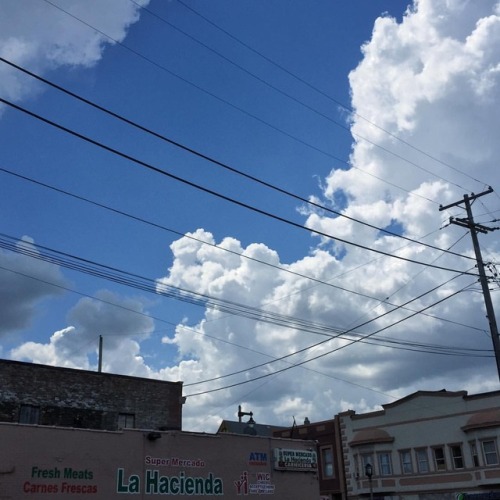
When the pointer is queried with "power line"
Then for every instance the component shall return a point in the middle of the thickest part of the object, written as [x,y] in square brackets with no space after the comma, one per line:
[149,285]
[187,328]
[292,98]
[218,247]
[185,235]
[133,280]
[234,170]
[244,111]
[295,365]
[307,84]
[217,194]
[57,258]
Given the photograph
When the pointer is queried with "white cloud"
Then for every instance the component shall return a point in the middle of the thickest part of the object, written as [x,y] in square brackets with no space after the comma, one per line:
[48,38]
[433,81]
[122,322]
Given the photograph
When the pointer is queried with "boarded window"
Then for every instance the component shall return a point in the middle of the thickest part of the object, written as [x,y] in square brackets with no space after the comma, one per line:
[29,414]
[126,421]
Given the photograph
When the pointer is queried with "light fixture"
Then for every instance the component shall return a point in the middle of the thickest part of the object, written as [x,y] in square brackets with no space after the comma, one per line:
[250,427]
[153,436]
[251,421]
[369,474]
[243,413]
[369,471]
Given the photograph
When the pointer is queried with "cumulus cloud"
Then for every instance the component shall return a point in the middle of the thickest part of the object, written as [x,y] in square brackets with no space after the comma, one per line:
[49,37]
[430,83]
[122,322]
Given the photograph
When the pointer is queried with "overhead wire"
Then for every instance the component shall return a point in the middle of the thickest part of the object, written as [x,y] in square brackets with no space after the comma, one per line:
[127,278]
[212,160]
[285,270]
[239,108]
[121,306]
[116,275]
[170,175]
[289,96]
[344,106]
[295,365]
[384,342]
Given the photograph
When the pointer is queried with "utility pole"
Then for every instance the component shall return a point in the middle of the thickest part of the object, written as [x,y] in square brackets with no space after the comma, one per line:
[99,362]
[468,223]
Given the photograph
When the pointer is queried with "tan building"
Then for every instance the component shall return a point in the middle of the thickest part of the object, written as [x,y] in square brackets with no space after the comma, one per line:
[41,462]
[429,445]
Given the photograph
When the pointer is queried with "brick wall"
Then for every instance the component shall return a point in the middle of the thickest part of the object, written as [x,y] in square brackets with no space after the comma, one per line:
[78,398]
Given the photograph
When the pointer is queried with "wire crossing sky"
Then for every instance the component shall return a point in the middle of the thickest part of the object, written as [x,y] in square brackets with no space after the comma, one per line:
[244,197]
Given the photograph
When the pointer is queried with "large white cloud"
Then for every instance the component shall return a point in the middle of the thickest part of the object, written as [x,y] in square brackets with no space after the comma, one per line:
[431,80]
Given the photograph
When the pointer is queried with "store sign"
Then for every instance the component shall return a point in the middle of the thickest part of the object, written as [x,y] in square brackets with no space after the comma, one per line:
[155,483]
[257,484]
[257,458]
[295,460]
[56,480]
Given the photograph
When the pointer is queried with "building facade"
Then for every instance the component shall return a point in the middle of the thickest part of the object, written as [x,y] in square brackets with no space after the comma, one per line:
[40,462]
[429,445]
[330,467]
[65,397]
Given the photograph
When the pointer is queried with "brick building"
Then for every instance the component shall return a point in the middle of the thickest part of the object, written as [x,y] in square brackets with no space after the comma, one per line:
[330,466]
[65,397]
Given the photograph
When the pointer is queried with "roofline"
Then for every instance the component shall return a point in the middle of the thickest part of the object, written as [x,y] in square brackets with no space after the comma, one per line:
[89,372]
[441,393]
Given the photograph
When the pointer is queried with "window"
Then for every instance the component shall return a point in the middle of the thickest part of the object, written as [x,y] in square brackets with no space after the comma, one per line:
[29,414]
[406,462]
[422,460]
[473,452]
[327,462]
[385,464]
[126,420]
[490,452]
[457,456]
[439,458]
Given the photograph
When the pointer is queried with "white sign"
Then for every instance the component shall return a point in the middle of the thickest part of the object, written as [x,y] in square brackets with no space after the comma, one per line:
[296,460]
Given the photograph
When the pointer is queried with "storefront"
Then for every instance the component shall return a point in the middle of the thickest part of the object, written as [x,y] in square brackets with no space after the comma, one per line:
[39,462]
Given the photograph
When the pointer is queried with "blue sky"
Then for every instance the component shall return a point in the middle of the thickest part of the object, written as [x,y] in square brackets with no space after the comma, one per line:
[267,89]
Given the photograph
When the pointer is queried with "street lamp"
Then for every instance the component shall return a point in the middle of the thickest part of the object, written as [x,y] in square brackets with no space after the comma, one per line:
[243,413]
[250,428]
[369,474]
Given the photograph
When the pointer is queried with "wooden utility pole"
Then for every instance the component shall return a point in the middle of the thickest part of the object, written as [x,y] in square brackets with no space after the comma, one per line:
[468,222]
[99,361]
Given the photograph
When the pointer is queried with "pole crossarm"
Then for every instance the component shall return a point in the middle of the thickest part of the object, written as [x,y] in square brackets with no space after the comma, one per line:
[470,198]
[467,224]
